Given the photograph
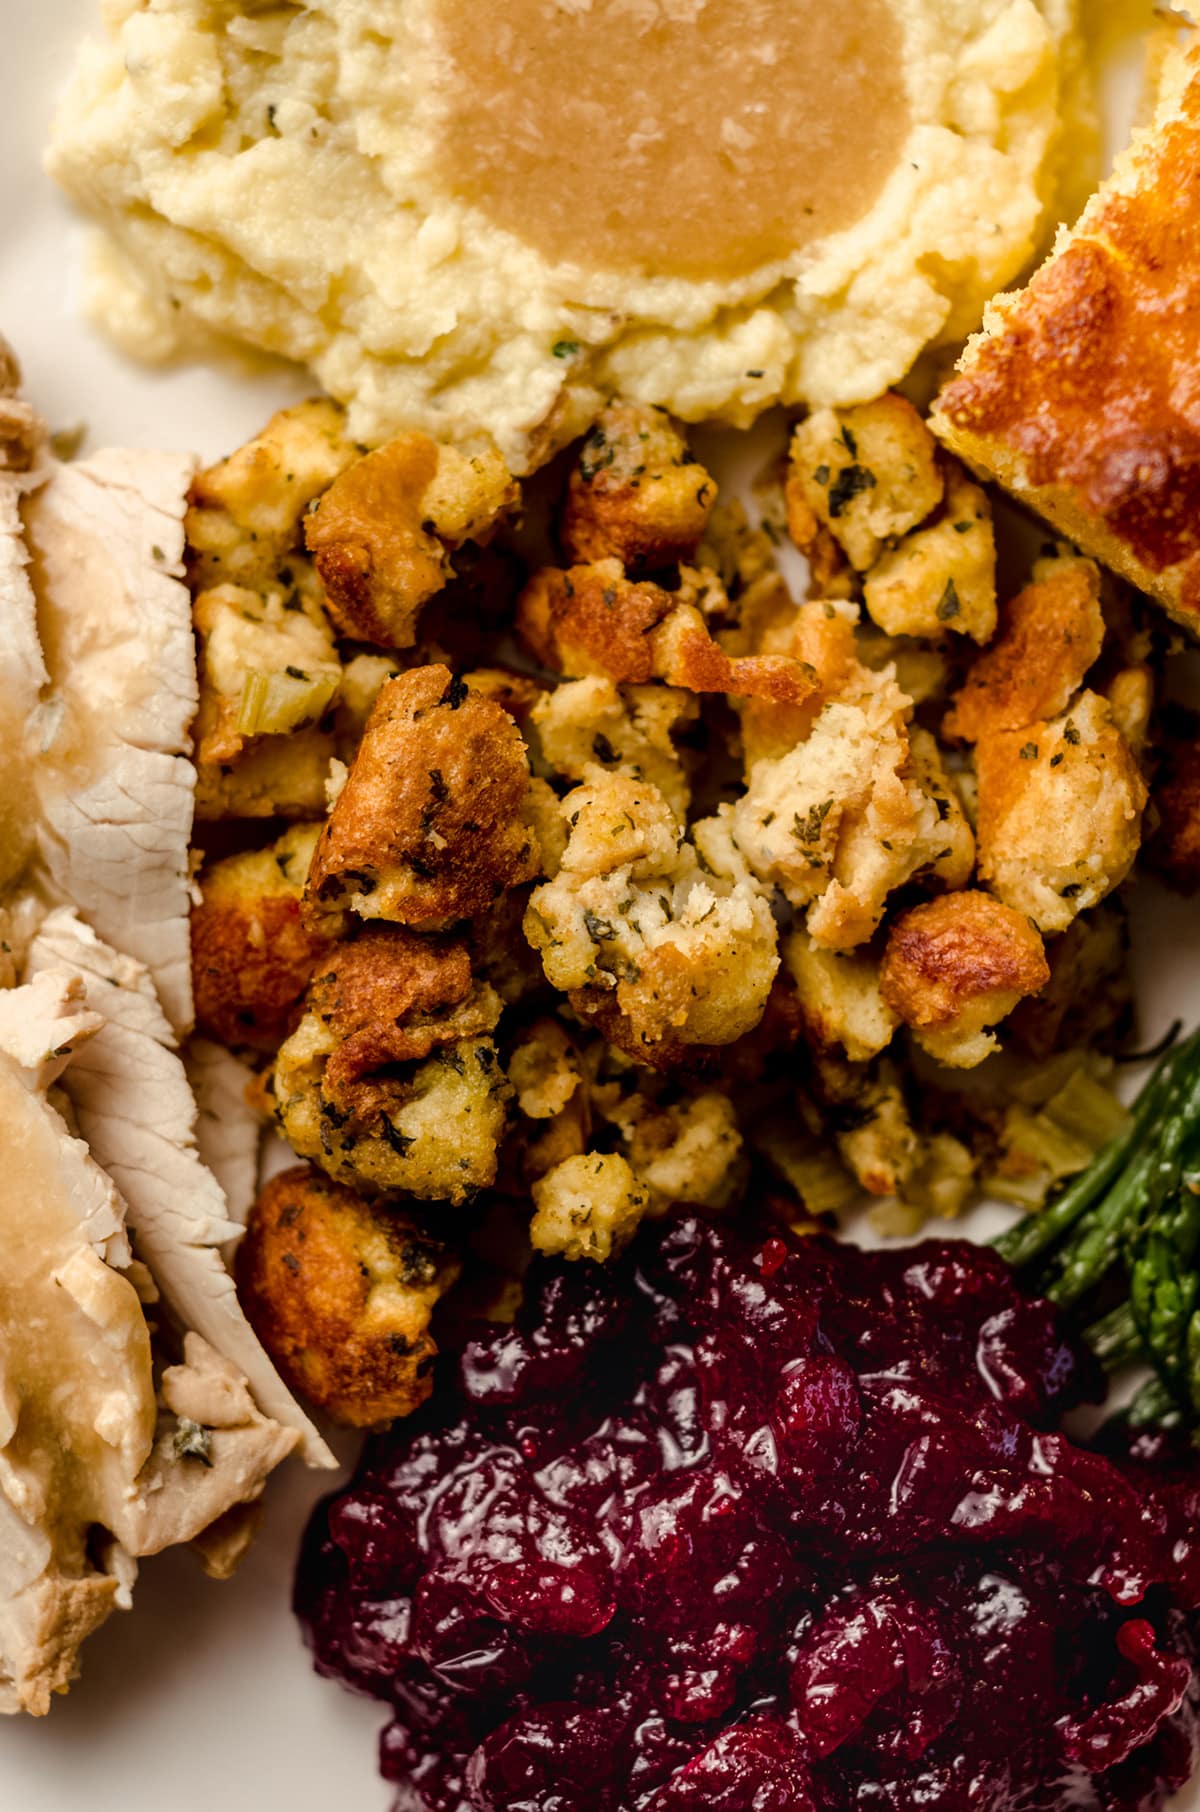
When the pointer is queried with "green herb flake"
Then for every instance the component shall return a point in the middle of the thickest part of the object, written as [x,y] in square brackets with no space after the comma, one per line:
[1029,752]
[950,605]
[565,349]
[192,1442]
[851,481]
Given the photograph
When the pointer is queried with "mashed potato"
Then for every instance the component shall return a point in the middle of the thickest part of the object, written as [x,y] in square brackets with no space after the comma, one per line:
[709,204]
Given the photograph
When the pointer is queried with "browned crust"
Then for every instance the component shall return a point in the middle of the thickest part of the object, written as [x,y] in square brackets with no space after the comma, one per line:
[340,1292]
[252,957]
[1049,636]
[376,558]
[436,794]
[635,493]
[1083,399]
[1174,849]
[593,619]
[393,997]
[596,620]
[956,951]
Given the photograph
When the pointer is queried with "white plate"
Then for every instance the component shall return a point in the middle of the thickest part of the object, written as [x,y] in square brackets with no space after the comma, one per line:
[202,1700]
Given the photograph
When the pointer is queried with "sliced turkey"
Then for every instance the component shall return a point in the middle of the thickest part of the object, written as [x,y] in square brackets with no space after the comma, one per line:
[136,1111]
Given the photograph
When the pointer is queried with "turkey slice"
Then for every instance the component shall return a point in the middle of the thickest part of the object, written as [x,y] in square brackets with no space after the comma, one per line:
[93,1470]
[228,1130]
[135,1109]
[114,782]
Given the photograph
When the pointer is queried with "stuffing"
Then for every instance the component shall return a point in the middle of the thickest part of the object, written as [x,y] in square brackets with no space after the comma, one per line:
[866,475]
[588,721]
[955,967]
[852,813]
[363,678]
[433,823]
[587,1207]
[273,777]
[340,1291]
[251,954]
[822,635]
[1050,634]
[1087,1002]
[635,493]
[643,941]
[739,554]
[269,673]
[383,533]
[1175,846]
[865,1110]
[940,579]
[685,1151]
[245,513]
[596,620]
[545,1070]
[841,1002]
[390,1081]
[1060,813]
[1131,695]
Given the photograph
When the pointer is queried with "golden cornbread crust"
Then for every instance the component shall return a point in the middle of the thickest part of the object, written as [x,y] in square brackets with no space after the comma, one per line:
[1080,394]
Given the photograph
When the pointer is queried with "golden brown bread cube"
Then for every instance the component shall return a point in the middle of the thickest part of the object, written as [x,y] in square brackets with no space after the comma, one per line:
[595,620]
[864,475]
[656,951]
[252,955]
[589,1206]
[1050,634]
[940,579]
[245,513]
[1060,812]
[635,492]
[434,821]
[340,1291]
[1079,395]
[391,1082]
[383,533]
[955,967]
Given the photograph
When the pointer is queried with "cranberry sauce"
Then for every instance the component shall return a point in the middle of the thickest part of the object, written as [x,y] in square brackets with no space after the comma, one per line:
[763,1524]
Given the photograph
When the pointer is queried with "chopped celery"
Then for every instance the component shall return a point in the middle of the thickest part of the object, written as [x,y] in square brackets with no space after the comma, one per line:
[276,702]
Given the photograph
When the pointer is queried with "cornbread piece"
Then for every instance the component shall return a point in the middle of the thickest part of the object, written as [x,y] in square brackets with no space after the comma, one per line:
[940,579]
[340,1291]
[596,620]
[1050,635]
[383,533]
[865,475]
[252,956]
[587,1207]
[1174,850]
[587,721]
[1060,812]
[245,513]
[391,1082]
[841,1003]
[636,493]
[955,967]
[1079,395]
[433,822]
[659,953]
